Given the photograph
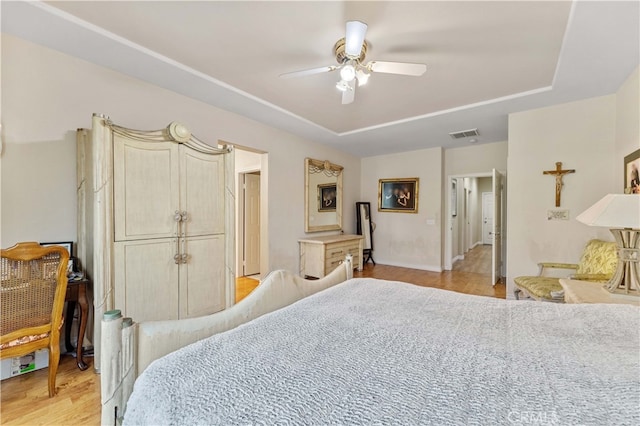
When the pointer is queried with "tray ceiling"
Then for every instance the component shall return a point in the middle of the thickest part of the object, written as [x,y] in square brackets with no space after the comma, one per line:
[484,59]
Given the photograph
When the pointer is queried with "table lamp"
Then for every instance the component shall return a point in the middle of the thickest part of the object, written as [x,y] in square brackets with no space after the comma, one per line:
[621,213]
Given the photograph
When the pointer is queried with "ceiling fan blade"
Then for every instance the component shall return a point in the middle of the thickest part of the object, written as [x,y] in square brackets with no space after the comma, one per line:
[350,94]
[308,72]
[354,38]
[403,68]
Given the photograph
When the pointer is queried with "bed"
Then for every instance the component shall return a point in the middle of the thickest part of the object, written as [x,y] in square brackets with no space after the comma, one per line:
[368,351]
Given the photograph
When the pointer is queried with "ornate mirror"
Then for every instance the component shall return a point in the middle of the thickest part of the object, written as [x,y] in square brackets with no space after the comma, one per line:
[322,196]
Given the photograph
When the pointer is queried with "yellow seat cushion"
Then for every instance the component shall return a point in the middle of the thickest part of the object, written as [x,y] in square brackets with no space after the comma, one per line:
[599,257]
[539,287]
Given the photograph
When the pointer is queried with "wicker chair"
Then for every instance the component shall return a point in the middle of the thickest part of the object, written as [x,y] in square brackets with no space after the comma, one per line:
[598,263]
[34,284]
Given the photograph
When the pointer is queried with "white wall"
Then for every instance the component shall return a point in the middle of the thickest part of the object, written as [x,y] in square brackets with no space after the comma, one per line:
[627,121]
[471,213]
[404,239]
[38,194]
[456,221]
[476,159]
[582,136]
[463,226]
[46,95]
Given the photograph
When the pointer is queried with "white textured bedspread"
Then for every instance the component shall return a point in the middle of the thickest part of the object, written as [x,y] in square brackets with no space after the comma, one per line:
[372,352]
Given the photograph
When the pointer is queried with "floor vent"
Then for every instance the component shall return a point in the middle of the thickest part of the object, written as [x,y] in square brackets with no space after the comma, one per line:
[464,134]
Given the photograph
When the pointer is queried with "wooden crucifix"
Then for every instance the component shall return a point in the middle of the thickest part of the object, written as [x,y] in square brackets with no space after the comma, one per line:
[558,173]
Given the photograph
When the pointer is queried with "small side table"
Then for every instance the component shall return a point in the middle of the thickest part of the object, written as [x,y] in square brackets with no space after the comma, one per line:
[576,291]
[76,293]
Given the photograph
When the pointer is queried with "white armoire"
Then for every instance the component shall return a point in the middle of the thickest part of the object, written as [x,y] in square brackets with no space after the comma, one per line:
[156,222]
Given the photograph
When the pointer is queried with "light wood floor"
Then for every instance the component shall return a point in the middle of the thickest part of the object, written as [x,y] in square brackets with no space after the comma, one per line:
[25,401]
[478,259]
[462,282]
[244,286]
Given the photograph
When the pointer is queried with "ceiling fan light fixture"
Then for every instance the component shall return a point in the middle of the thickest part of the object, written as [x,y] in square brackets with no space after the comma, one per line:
[354,38]
[342,85]
[362,77]
[350,52]
[348,72]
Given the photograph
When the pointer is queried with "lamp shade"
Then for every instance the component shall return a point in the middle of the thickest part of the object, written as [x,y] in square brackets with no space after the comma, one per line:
[614,211]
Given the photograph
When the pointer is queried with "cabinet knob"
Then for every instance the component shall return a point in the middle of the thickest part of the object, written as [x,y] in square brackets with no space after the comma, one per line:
[184,216]
[184,257]
[176,258]
[177,216]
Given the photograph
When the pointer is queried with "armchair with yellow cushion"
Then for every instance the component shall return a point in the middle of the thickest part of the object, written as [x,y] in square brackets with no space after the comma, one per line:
[598,263]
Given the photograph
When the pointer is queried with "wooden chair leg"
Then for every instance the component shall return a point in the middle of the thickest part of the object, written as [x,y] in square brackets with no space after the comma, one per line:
[54,359]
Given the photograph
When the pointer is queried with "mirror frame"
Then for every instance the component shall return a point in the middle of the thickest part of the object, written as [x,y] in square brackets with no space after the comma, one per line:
[360,229]
[317,166]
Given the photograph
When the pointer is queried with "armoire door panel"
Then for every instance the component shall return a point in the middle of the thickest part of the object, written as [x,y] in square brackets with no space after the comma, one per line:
[202,277]
[202,192]
[146,189]
[146,279]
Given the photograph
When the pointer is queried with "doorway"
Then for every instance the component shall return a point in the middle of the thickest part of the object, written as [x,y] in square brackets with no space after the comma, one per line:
[251,212]
[475,220]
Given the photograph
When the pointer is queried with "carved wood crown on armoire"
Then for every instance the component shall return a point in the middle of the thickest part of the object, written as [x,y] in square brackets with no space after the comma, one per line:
[156,222]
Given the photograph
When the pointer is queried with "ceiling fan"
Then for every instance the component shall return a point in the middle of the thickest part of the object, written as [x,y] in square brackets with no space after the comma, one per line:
[350,52]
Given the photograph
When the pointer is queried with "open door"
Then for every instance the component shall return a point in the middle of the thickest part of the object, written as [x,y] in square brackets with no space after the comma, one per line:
[251,260]
[488,210]
[496,257]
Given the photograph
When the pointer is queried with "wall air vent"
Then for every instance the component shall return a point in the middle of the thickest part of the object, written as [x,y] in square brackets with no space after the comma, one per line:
[464,134]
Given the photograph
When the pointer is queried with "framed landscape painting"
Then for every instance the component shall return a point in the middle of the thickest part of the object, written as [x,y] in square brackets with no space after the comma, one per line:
[632,173]
[398,195]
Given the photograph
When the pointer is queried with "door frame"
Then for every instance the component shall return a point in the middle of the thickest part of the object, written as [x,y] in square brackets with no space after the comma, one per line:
[263,168]
[497,250]
[448,234]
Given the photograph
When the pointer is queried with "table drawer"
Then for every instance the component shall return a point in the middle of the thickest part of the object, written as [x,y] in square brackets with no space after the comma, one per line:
[341,249]
[330,265]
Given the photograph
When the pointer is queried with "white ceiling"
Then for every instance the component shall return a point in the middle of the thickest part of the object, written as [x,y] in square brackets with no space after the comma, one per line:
[484,59]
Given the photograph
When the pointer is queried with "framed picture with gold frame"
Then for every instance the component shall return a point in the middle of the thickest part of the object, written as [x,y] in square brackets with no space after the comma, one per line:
[327,197]
[632,173]
[398,195]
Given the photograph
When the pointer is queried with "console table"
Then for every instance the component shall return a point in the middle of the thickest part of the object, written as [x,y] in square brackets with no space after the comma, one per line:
[76,293]
[321,255]
[576,291]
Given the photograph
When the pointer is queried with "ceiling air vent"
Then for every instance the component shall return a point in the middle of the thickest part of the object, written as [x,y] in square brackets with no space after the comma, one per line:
[464,134]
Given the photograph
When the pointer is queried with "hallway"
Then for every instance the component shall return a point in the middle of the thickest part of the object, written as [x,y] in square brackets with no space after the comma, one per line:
[477,260]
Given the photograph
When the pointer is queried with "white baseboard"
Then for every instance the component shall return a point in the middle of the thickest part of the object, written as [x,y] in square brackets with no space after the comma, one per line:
[477,243]
[421,267]
[458,257]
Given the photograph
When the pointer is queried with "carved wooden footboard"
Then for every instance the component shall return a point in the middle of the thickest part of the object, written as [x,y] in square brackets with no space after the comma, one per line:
[128,348]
